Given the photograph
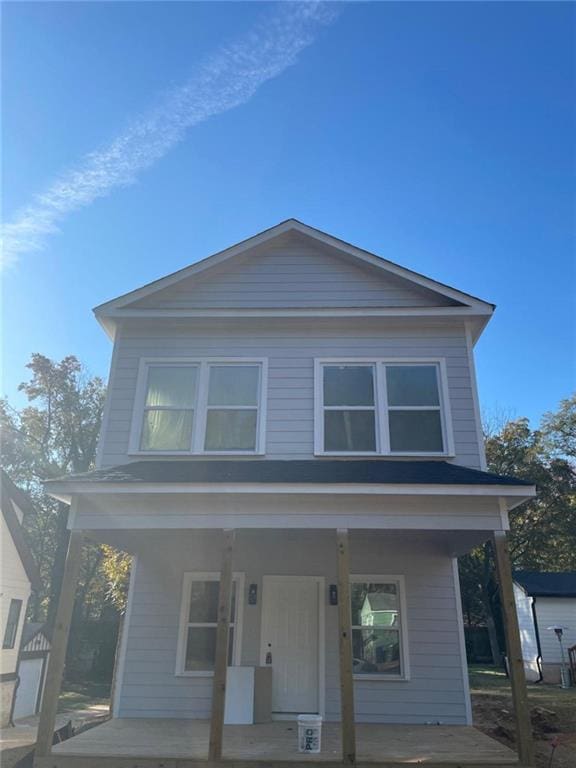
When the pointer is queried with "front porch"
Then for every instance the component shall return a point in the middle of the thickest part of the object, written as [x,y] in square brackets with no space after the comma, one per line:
[169,743]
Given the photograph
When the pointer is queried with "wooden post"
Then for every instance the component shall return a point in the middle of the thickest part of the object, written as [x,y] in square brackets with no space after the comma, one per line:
[221,661]
[57,656]
[345,651]
[524,741]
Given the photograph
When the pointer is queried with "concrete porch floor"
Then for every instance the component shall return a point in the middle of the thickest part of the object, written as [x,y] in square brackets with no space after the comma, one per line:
[277,741]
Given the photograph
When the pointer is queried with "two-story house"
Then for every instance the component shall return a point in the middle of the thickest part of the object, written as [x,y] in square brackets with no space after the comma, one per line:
[292,453]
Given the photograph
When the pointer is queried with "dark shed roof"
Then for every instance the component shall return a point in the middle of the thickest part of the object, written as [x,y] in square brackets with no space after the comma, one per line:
[537,584]
[12,496]
[31,629]
[372,471]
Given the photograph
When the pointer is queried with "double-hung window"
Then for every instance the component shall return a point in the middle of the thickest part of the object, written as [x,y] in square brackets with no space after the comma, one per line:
[199,407]
[378,626]
[198,623]
[383,408]
[11,629]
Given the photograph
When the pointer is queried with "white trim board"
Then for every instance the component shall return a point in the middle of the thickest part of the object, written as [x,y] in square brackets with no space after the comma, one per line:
[64,491]
[462,641]
[119,680]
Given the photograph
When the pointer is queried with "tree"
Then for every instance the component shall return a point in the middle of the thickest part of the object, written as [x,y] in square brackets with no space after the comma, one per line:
[559,429]
[56,434]
[543,529]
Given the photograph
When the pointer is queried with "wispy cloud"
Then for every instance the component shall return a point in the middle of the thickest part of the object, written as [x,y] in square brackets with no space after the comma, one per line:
[225,80]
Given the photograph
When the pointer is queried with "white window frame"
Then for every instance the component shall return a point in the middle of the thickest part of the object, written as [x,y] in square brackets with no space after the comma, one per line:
[200,406]
[382,407]
[188,579]
[400,583]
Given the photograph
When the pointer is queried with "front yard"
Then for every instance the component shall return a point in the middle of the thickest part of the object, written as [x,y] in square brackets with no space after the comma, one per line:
[553,715]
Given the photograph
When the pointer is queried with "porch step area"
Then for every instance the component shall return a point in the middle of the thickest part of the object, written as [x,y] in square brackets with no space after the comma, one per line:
[277,741]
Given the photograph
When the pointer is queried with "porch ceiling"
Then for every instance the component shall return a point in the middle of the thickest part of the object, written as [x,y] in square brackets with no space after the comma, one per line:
[450,543]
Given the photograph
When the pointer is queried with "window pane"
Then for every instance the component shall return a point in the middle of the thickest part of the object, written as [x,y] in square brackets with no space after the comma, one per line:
[349,431]
[348,385]
[233,385]
[167,431]
[374,605]
[376,651]
[171,385]
[201,649]
[415,431]
[230,430]
[12,624]
[412,385]
[204,602]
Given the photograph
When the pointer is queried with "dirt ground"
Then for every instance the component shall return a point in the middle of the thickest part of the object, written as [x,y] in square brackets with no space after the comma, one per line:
[553,712]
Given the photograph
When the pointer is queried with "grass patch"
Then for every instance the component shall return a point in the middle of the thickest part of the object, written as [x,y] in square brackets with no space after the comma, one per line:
[83,695]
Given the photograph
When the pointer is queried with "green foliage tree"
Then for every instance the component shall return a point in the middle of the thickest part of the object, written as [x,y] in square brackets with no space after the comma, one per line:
[55,434]
[543,529]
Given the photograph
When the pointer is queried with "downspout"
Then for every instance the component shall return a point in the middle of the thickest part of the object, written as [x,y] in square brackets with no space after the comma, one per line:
[538,646]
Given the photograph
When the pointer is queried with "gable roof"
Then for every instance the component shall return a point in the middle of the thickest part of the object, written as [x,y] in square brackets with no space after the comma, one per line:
[13,498]
[31,630]
[538,584]
[123,306]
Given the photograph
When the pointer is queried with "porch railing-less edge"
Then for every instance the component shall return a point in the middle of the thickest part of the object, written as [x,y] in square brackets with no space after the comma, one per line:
[45,759]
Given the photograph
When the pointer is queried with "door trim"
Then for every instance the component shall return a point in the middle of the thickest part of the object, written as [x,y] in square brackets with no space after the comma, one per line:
[320,583]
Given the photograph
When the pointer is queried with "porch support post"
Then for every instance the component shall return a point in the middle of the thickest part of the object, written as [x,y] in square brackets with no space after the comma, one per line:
[221,661]
[57,656]
[524,741]
[345,650]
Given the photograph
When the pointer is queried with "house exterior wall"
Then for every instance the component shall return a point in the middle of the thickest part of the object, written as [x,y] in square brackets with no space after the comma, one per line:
[292,272]
[130,512]
[551,611]
[436,690]
[14,585]
[290,346]
[527,633]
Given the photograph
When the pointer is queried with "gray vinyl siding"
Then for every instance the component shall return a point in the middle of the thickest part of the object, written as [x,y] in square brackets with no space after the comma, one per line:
[435,692]
[293,273]
[290,347]
[148,511]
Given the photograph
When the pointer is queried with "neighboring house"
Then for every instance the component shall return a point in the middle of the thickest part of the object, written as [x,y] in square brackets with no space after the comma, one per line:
[321,402]
[545,600]
[33,660]
[18,575]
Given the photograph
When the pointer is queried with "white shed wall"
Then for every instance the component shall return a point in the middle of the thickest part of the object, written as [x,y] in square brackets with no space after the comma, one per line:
[552,611]
[14,585]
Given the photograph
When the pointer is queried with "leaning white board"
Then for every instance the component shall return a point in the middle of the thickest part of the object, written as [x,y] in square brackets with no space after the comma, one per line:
[239,707]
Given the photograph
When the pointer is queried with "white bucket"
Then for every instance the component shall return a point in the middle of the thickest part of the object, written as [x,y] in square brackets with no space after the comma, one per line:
[309,733]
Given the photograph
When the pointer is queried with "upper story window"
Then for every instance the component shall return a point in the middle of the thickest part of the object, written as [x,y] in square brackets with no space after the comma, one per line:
[381,407]
[205,406]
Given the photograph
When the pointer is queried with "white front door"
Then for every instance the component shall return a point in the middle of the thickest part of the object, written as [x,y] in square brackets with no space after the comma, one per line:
[291,639]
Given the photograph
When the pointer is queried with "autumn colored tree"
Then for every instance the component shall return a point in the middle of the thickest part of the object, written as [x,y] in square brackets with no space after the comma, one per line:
[543,529]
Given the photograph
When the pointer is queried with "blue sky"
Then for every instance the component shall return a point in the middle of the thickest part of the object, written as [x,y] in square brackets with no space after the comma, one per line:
[438,135]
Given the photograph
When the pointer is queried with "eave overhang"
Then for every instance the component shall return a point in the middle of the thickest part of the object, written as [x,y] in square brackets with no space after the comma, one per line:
[112,312]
